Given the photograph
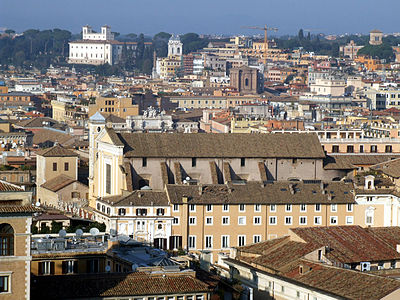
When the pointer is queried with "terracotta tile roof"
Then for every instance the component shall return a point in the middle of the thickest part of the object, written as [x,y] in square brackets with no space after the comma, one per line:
[138,198]
[391,235]
[45,136]
[9,187]
[114,285]
[113,118]
[58,183]
[352,161]
[281,192]
[221,145]
[57,151]
[18,209]
[347,284]
[115,138]
[348,244]
[390,168]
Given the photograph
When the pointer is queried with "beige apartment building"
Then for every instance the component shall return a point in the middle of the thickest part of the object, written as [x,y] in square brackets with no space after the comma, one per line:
[119,106]
[15,230]
[212,102]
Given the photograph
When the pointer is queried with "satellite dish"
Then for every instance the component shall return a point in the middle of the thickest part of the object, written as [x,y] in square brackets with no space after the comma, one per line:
[184,181]
[188,178]
[94,231]
[134,267]
[113,232]
[79,232]
[37,204]
[47,236]
[108,268]
[62,233]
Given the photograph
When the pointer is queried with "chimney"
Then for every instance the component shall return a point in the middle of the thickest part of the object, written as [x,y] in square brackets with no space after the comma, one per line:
[185,199]
[398,248]
[291,188]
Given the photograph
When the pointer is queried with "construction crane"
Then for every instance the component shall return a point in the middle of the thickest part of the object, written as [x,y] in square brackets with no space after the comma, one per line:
[265,29]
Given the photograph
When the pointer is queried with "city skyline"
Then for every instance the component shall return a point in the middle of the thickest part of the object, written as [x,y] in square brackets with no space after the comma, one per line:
[223,17]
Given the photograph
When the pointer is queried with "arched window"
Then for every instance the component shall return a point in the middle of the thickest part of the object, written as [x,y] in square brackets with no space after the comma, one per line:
[246,82]
[6,240]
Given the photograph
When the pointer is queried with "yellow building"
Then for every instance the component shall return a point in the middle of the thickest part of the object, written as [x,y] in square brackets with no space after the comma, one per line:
[15,231]
[118,106]
[170,66]
[59,111]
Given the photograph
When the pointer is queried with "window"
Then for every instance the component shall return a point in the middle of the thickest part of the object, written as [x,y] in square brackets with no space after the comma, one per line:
[303,220]
[175,221]
[121,211]
[209,220]
[192,242]
[256,238]
[241,220]
[160,211]
[194,162]
[317,220]
[335,149]
[333,207]
[288,207]
[141,212]
[241,240]
[349,220]
[350,149]
[92,266]
[272,220]
[242,207]
[144,162]
[209,207]
[209,242]
[257,207]
[75,195]
[175,207]
[369,198]
[6,240]
[388,148]
[108,210]
[66,166]
[349,207]
[333,220]
[242,162]
[303,207]
[317,207]
[288,220]
[70,267]
[225,208]
[5,284]
[257,221]
[225,241]
[192,207]
[108,178]
[272,208]
[192,220]
[361,148]
[46,268]
[225,220]
[374,148]
[54,166]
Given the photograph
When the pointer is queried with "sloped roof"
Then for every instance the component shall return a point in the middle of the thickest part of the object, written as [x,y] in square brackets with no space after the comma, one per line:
[18,209]
[114,285]
[221,145]
[348,244]
[390,168]
[43,136]
[345,283]
[9,187]
[338,162]
[277,192]
[57,151]
[139,198]
[58,183]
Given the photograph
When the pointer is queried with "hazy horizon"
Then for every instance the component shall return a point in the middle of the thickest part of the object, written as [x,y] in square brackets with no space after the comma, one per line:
[206,17]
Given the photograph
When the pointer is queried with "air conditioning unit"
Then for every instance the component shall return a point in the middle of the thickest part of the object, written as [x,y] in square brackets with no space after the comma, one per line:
[365,266]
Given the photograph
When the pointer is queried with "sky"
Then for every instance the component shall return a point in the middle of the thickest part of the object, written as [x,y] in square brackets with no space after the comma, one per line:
[203,16]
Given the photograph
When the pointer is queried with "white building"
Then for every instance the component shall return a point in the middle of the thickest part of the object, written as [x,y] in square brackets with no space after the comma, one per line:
[175,46]
[97,48]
